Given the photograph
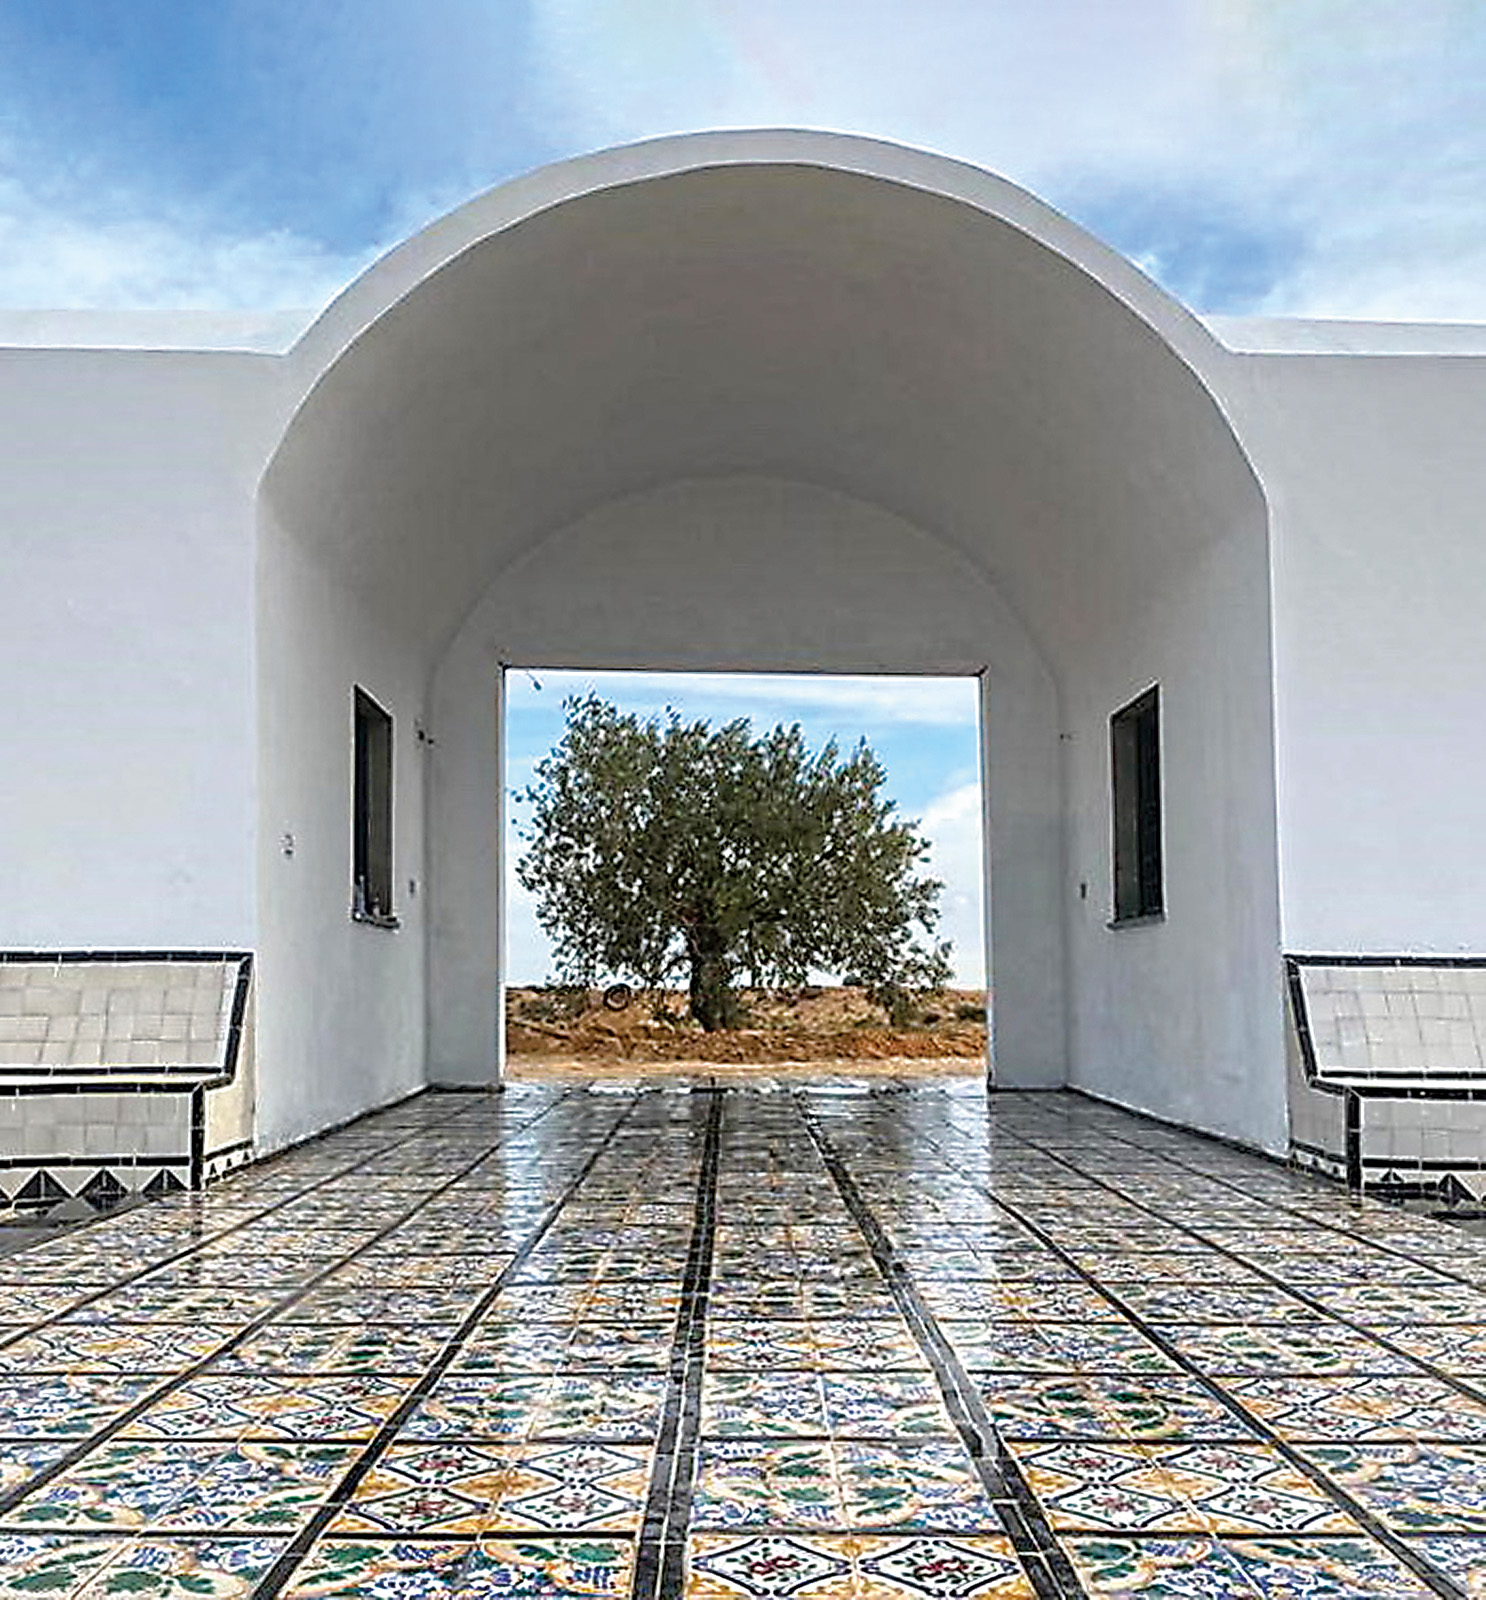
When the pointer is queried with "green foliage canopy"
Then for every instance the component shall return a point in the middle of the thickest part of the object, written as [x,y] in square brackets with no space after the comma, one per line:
[662,846]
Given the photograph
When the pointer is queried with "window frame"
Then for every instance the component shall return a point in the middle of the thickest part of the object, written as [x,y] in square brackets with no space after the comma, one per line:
[372,811]
[1137,812]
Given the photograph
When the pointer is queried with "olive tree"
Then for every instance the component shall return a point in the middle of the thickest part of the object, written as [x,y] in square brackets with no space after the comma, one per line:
[662,846]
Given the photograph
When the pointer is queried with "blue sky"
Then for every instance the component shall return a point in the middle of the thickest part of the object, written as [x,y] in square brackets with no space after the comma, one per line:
[1317,157]
[925,731]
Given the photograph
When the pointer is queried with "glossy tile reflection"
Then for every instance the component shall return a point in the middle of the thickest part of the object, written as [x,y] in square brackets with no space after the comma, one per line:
[845,1343]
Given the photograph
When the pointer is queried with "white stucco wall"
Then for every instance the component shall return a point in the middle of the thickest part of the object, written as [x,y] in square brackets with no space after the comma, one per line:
[126,645]
[1375,470]
[341,1003]
[1182,1017]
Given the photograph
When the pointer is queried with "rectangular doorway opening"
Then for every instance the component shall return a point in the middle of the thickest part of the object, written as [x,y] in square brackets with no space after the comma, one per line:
[847,793]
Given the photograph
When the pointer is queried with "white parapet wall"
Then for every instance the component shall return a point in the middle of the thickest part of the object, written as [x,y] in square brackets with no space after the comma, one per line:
[122,1072]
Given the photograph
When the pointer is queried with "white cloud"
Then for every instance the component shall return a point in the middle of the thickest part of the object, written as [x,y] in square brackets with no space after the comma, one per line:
[765,697]
[60,248]
[952,824]
[1354,133]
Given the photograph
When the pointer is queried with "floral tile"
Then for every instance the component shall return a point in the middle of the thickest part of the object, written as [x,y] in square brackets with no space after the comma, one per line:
[119,1485]
[826,1567]
[184,1569]
[1171,1267]
[476,1406]
[849,1343]
[1111,1487]
[1454,1349]
[1243,1488]
[752,1346]
[283,1347]
[70,1405]
[763,1405]
[221,1304]
[1208,1303]
[372,1306]
[1055,1347]
[574,1488]
[546,1302]
[601,1406]
[101,1347]
[748,1485]
[42,1566]
[1020,1302]
[1463,1560]
[756,1300]
[1138,1408]
[233,1405]
[1414,1488]
[248,1270]
[1362,1408]
[632,1302]
[501,1343]
[416,1271]
[1324,1569]
[353,1569]
[253,1487]
[903,1486]
[1318,1348]
[643,1346]
[1379,1304]
[445,1489]
[883,1404]
[28,1303]
[1175,1568]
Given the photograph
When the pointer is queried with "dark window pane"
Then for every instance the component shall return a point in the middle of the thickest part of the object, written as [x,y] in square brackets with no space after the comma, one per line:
[1135,767]
[371,833]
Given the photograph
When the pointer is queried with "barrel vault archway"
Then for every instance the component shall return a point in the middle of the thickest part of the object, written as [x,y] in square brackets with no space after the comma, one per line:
[774,401]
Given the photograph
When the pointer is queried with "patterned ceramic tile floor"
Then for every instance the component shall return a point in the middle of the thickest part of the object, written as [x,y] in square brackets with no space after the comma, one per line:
[842,1343]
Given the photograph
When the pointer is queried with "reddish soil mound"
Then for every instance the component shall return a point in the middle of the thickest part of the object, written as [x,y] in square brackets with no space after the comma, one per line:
[805,1025]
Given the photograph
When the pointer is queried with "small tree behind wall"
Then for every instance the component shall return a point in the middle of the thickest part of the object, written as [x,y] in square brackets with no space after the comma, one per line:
[661,847]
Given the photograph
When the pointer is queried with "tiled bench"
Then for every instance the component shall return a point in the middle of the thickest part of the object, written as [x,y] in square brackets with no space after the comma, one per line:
[1387,1072]
[122,1071]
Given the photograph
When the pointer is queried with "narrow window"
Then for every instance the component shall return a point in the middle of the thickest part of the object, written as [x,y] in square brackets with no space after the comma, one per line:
[371,837]
[1135,764]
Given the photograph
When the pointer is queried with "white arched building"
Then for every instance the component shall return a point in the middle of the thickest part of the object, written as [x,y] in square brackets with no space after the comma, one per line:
[741,401]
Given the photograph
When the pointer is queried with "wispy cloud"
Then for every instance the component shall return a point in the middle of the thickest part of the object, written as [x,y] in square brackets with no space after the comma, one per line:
[66,250]
[1284,156]
[954,828]
[766,698]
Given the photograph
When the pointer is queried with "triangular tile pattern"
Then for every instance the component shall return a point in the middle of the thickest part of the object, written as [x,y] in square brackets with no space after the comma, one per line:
[101,1187]
[41,1188]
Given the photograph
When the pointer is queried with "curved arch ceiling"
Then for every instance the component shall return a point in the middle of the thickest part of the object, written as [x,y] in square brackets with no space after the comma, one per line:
[777,318]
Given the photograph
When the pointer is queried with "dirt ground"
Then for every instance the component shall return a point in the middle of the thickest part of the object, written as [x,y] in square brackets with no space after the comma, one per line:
[552,1032]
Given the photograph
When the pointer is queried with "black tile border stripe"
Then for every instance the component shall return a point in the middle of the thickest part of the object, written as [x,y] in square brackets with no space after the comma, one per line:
[1399,1547]
[43,958]
[1416,960]
[660,1559]
[1046,1564]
